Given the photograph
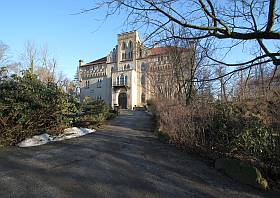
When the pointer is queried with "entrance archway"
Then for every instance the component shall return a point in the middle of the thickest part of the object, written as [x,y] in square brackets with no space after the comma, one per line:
[122,100]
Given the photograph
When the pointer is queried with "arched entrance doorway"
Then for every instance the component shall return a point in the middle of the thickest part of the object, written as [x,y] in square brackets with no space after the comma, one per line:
[122,100]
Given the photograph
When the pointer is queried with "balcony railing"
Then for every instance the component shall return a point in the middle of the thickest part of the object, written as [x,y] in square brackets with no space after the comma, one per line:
[115,84]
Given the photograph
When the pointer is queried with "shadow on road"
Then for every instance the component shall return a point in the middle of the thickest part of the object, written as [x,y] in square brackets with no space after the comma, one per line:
[123,159]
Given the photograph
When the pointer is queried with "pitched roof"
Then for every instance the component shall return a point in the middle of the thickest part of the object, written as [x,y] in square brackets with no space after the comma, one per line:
[165,50]
[159,50]
[96,62]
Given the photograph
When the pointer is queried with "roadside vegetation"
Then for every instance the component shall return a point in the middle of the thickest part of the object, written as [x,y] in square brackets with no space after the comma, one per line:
[247,130]
[30,107]
[36,101]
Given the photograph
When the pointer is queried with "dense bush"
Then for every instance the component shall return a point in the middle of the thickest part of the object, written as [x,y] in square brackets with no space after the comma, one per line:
[234,128]
[29,107]
[244,128]
[94,113]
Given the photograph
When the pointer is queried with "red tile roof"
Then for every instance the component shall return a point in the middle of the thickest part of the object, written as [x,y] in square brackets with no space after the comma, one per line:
[159,50]
[164,50]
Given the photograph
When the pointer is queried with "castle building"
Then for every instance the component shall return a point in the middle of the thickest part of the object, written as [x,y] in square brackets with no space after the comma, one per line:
[121,77]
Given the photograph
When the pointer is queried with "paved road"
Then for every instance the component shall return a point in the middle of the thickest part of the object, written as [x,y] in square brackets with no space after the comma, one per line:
[124,159]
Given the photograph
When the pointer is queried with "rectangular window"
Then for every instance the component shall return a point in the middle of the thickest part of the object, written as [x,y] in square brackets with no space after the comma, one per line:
[87,84]
[99,83]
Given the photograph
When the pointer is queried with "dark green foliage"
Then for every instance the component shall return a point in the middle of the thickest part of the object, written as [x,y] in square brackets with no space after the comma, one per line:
[258,141]
[163,137]
[241,128]
[29,107]
[111,116]
[242,172]
[95,112]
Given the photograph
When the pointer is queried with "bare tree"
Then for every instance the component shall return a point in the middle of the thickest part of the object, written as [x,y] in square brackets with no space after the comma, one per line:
[46,70]
[223,94]
[6,66]
[62,81]
[39,62]
[3,54]
[174,75]
[234,22]
[183,69]
[3,58]
[30,56]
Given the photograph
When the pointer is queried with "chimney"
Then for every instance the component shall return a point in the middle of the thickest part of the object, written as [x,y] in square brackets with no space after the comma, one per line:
[155,45]
[191,44]
[81,63]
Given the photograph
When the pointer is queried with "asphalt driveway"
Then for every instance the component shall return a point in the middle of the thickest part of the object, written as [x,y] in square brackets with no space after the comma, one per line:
[123,159]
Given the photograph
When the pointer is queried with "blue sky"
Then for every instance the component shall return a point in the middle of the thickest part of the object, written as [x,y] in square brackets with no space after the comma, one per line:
[68,37]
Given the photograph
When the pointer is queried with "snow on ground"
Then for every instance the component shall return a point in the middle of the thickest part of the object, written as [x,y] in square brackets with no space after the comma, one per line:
[72,133]
[45,138]
[35,140]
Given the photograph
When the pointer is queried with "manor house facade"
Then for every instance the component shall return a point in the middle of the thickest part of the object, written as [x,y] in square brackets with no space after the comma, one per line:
[120,78]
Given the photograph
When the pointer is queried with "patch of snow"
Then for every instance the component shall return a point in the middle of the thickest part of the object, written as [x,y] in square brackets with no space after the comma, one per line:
[35,140]
[72,133]
[45,138]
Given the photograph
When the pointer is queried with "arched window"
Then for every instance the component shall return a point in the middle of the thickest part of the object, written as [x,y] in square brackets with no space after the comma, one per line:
[140,53]
[118,80]
[114,55]
[142,80]
[143,98]
[123,45]
[143,67]
[130,45]
[128,66]
[124,67]
[122,79]
[125,80]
